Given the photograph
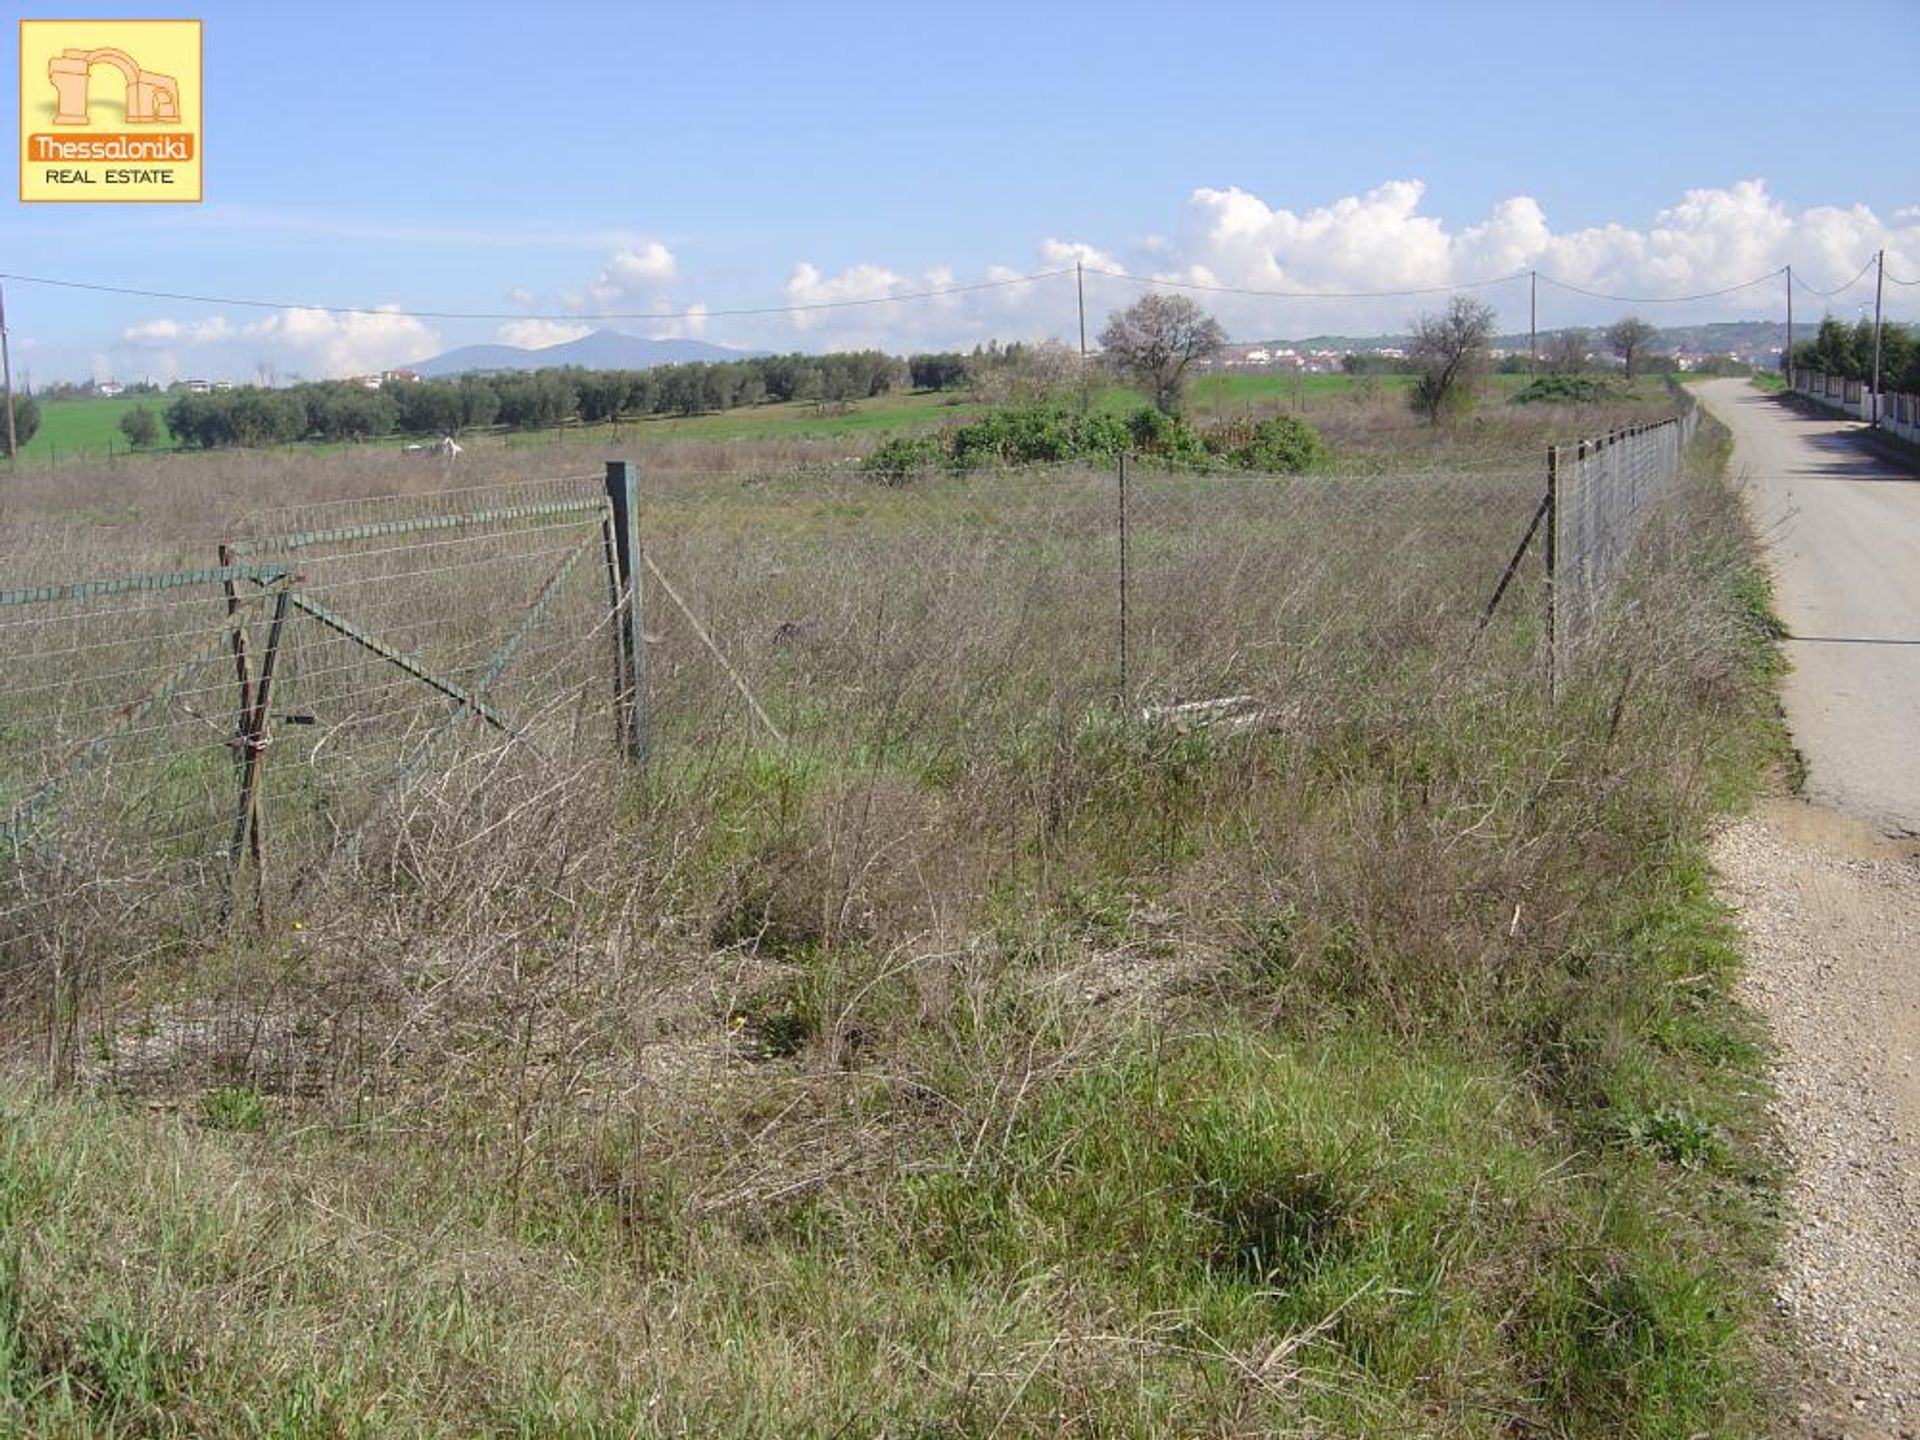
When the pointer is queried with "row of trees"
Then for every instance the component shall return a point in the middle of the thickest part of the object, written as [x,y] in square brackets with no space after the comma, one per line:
[529,400]
[1155,344]
[1847,351]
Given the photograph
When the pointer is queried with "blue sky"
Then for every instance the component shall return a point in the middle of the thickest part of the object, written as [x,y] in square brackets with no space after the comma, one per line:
[571,160]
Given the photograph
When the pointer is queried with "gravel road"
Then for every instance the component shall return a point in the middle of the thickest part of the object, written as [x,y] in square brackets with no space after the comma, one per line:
[1828,893]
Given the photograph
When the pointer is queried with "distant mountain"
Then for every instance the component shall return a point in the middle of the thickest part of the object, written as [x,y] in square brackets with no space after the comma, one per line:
[602,350]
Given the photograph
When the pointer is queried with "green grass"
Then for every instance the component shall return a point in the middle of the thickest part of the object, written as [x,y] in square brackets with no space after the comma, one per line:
[78,429]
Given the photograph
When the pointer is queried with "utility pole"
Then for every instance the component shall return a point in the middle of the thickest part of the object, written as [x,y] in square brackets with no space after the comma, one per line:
[1789,365]
[1879,285]
[1080,289]
[6,371]
[1533,321]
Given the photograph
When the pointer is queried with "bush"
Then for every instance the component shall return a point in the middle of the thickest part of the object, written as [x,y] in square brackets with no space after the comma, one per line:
[26,419]
[1282,445]
[1038,435]
[1153,432]
[905,456]
[1567,390]
[140,426]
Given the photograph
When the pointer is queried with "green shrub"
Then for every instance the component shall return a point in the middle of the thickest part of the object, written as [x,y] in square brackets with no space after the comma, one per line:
[1030,435]
[1035,435]
[905,456]
[1150,432]
[1567,390]
[1281,445]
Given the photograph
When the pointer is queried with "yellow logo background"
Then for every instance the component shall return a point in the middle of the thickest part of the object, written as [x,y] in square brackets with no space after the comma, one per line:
[144,152]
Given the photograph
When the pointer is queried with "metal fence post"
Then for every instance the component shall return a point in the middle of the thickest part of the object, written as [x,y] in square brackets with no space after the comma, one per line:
[623,494]
[1550,557]
[1123,573]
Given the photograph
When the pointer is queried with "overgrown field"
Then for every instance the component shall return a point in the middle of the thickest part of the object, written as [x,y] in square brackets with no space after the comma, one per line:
[987,1052]
[88,430]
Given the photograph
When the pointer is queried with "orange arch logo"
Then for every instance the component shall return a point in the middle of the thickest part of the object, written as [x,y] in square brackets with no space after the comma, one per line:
[111,111]
[152,99]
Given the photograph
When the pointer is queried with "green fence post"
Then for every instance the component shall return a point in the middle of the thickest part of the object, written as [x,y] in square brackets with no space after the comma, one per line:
[623,494]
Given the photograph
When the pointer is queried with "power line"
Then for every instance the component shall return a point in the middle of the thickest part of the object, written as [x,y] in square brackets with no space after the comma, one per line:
[1828,294]
[253,304]
[1314,294]
[940,292]
[1665,299]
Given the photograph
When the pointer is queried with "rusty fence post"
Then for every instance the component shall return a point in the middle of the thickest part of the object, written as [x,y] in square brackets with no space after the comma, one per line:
[256,714]
[623,495]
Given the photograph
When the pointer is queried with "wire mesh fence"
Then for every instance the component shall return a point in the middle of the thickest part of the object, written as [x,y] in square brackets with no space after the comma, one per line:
[860,615]
[165,737]
[1601,492]
[180,748]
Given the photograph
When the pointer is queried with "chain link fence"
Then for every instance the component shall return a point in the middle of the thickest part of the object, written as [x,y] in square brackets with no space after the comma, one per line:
[1599,495]
[177,747]
[863,617]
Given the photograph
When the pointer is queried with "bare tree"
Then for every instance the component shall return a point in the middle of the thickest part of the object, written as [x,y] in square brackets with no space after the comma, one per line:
[1156,340]
[1567,351]
[1451,351]
[1629,339]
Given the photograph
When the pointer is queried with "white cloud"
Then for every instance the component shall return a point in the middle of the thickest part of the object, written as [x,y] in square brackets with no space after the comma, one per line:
[1322,251]
[1325,256]
[851,287]
[539,334]
[631,273]
[316,343]
[691,325]
[329,344]
[161,334]
[638,278]
[1059,254]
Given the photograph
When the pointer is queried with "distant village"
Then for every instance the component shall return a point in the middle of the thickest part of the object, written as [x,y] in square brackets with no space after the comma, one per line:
[1309,358]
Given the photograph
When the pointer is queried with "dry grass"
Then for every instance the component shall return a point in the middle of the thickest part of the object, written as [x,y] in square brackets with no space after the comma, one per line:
[987,1057]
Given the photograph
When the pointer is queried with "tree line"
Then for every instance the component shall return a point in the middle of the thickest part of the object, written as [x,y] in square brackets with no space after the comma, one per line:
[1847,351]
[524,400]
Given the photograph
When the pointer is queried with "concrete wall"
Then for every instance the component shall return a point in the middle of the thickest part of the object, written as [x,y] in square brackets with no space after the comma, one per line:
[1899,414]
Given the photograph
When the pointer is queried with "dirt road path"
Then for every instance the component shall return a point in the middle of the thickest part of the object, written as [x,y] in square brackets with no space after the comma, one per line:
[1828,891]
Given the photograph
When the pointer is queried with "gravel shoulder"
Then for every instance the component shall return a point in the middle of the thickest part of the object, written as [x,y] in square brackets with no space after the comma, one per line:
[1831,913]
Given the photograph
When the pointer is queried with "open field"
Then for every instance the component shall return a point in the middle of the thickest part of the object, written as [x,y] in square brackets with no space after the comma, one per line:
[980,1054]
[76,430]
[80,429]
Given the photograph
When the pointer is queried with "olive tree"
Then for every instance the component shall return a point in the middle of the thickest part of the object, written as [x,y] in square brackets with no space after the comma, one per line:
[1450,351]
[140,426]
[1155,341]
